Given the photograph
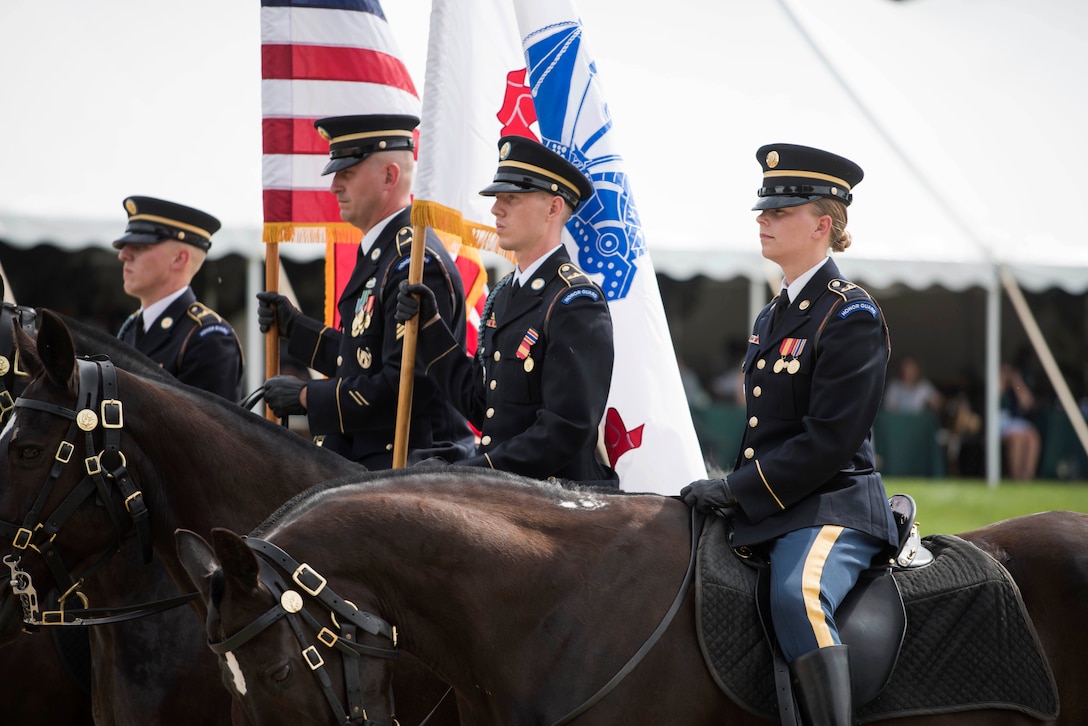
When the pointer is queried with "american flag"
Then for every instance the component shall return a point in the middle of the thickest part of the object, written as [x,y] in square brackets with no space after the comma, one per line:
[321,58]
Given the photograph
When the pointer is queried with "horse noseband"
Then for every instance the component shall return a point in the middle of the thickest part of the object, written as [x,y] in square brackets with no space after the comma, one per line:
[289,605]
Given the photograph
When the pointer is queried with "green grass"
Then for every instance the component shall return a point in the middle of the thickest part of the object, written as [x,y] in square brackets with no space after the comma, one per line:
[948,506]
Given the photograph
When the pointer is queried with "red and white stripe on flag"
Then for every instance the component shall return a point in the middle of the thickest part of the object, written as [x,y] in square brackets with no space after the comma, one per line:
[321,58]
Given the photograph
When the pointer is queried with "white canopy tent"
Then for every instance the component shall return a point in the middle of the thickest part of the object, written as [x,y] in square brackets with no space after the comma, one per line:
[967,116]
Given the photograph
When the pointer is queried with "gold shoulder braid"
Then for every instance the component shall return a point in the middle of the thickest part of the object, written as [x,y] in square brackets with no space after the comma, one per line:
[405,235]
[202,314]
[572,275]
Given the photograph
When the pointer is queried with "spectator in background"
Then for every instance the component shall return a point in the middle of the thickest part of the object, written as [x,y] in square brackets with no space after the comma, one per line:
[1020,438]
[911,392]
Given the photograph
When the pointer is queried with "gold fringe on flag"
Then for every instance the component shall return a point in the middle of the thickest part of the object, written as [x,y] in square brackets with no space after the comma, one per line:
[311,232]
[446,219]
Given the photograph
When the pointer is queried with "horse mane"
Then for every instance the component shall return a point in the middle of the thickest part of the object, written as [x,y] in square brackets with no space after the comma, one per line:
[90,340]
[434,479]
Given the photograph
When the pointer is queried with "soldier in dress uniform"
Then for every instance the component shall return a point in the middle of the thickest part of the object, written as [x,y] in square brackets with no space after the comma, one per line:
[538,386]
[805,489]
[163,247]
[354,411]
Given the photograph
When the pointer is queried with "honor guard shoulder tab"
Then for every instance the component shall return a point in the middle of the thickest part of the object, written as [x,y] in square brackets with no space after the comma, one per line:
[203,315]
[854,299]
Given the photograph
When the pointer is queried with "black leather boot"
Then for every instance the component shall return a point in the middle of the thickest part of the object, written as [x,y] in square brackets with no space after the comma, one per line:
[821,682]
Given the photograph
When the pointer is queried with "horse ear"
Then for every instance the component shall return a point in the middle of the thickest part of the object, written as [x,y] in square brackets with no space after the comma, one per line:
[28,352]
[239,563]
[198,559]
[57,351]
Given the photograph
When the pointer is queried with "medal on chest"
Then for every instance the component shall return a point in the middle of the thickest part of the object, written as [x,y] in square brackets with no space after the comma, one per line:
[790,352]
[525,349]
[364,310]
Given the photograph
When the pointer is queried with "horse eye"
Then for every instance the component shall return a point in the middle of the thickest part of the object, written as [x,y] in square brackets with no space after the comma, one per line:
[29,454]
[282,674]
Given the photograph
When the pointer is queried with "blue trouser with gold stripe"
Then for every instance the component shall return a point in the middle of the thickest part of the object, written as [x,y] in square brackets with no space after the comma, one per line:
[812,570]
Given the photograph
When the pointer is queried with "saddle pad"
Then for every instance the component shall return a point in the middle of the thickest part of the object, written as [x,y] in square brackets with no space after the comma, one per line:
[969,643]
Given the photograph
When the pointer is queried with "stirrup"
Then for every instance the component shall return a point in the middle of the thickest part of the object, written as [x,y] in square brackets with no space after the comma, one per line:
[911,552]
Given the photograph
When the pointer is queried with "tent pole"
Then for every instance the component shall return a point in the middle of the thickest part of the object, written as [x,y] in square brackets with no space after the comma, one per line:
[993,352]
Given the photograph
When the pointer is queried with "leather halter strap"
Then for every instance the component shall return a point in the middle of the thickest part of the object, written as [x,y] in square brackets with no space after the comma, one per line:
[345,615]
[97,410]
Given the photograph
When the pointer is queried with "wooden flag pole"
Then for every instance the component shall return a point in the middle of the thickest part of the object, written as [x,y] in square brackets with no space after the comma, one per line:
[408,355]
[272,338]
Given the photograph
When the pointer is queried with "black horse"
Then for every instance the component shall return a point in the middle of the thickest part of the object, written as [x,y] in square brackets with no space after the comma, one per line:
[42,679]
[527,597]
[197,461]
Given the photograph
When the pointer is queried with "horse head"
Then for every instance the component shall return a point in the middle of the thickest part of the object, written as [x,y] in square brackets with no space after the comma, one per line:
[69,499]
[264,628]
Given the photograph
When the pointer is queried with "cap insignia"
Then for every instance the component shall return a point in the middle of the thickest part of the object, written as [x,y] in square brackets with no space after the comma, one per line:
[504,151]
[324,134]
[772,159]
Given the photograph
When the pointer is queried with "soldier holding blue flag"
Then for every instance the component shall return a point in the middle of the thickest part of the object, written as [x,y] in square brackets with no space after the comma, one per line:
[538,386]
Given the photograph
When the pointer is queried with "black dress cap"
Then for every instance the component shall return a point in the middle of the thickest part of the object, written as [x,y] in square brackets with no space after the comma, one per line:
[151,221]
[526,165]
[354,138]
[794,175]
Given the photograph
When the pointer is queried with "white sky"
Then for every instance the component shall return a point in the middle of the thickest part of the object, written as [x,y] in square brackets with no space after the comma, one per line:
[110,98]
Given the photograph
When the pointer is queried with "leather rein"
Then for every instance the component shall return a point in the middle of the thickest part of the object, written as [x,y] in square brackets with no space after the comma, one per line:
[685,586]
[98,414]
[347,619]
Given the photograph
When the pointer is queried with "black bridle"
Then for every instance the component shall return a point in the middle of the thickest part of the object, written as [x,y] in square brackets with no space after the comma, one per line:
[344,617]
[10,317]
[99,414]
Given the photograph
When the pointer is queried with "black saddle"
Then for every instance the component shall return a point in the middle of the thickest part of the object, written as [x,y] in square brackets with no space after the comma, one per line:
[871,620]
